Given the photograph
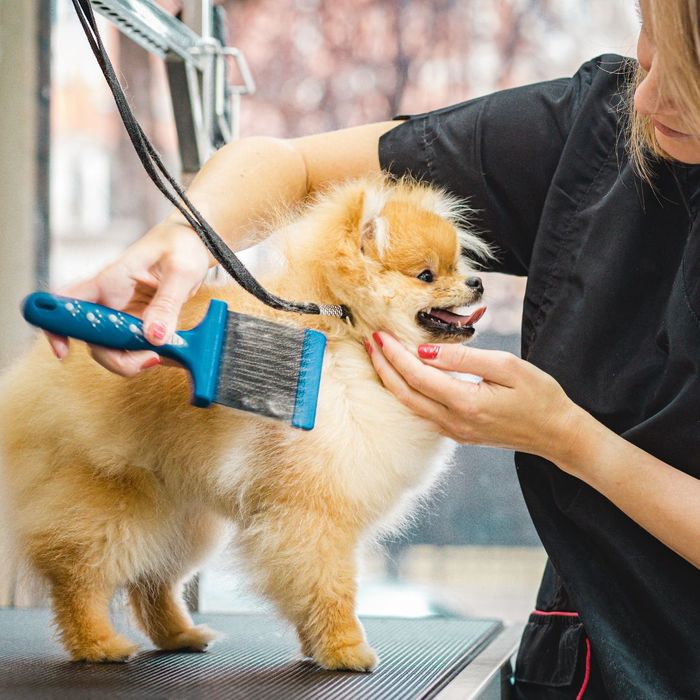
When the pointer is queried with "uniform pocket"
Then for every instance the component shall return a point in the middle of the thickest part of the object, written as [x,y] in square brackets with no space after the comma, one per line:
[553,652]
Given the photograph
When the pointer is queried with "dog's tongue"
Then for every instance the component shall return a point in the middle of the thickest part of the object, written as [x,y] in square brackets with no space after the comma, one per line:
[456,319]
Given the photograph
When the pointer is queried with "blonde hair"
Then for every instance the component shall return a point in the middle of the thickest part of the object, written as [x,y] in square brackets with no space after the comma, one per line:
[674,26]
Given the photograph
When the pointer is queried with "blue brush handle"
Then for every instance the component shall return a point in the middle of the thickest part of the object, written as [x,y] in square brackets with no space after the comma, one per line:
[199,349]
[92,323]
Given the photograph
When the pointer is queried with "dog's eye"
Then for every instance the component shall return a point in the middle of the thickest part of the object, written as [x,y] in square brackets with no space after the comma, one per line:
[426,276]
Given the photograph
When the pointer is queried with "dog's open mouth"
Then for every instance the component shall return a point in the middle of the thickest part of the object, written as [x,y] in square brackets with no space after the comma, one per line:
[453,321]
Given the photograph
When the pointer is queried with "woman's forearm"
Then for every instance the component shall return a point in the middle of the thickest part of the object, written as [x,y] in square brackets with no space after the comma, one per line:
[246,181]
[663,500]
[243,182]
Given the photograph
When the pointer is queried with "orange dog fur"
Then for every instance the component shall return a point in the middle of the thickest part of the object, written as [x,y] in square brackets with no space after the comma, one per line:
[114,482]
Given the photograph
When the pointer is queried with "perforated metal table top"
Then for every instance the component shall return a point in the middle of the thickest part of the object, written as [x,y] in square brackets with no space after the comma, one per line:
[258,658]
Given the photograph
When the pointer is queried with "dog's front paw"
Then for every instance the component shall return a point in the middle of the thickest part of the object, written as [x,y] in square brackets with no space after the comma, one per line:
[116,649]
[197,638]
[356,657]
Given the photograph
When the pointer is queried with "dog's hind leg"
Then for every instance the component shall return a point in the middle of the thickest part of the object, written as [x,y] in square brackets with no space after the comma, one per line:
[306,565]
[82,616]
[160,610]
[88,534]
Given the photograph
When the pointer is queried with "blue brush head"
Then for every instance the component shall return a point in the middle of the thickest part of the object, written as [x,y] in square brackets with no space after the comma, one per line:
[313,349]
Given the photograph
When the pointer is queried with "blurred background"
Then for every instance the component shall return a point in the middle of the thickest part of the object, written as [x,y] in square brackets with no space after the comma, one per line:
[73,195]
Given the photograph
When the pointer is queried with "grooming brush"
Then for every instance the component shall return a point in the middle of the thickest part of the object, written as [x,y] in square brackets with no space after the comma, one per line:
[227,354]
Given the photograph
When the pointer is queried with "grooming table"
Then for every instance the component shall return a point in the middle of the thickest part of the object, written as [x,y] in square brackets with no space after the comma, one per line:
[259,658]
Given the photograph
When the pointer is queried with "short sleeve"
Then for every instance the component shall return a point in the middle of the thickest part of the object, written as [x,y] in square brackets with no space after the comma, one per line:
[499,152]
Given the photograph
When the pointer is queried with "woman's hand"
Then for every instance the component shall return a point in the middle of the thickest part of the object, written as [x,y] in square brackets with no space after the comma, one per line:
[518,406]
[152,279]
[515,406]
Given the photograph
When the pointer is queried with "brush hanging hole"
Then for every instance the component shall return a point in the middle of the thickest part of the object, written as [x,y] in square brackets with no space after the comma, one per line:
[46,304]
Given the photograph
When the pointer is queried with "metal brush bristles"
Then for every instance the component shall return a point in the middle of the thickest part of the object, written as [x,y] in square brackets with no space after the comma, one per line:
[260,367]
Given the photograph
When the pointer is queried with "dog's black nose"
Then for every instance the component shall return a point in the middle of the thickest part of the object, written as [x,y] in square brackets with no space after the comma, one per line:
[475,284]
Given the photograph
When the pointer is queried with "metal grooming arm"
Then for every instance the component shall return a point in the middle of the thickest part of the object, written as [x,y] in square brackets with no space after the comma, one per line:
[204,105]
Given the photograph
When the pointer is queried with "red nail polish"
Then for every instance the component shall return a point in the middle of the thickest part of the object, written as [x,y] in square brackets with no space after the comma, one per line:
[428,352]
[151,362]
[157,330]
[377,339]
[368,347]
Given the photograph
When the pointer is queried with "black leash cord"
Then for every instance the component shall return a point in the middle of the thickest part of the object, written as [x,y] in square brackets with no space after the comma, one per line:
[174,192]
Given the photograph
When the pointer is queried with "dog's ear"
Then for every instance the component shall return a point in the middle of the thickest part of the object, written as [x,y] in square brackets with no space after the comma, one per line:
[367,221]
[374,237]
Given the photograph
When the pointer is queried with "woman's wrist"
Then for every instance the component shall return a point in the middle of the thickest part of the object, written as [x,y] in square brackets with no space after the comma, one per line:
[570,446]
[174,226]
[585,445]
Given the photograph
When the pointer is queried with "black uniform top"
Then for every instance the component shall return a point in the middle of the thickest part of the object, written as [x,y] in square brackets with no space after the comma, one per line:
[612,311]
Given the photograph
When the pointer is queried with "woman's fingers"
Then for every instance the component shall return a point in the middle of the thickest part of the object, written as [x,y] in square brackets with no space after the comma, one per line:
[428,381]
[176,275]
[397,385]
[177,284]
[58,343]
[494,366]
[427,391]
[126,364]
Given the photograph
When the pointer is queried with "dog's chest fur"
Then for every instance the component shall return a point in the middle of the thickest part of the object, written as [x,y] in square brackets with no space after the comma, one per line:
[366,448]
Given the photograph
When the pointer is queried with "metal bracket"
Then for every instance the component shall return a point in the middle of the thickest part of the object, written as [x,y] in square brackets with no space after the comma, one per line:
[220,90]
[151,27]
[203,102]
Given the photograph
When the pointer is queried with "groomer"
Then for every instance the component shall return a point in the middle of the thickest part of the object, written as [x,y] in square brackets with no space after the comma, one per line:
[588,186]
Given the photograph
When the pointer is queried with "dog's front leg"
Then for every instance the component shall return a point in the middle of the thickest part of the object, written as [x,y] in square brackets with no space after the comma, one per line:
[305,562]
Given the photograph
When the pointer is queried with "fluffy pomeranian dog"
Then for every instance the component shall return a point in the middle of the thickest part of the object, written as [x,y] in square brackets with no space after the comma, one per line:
[115,482]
